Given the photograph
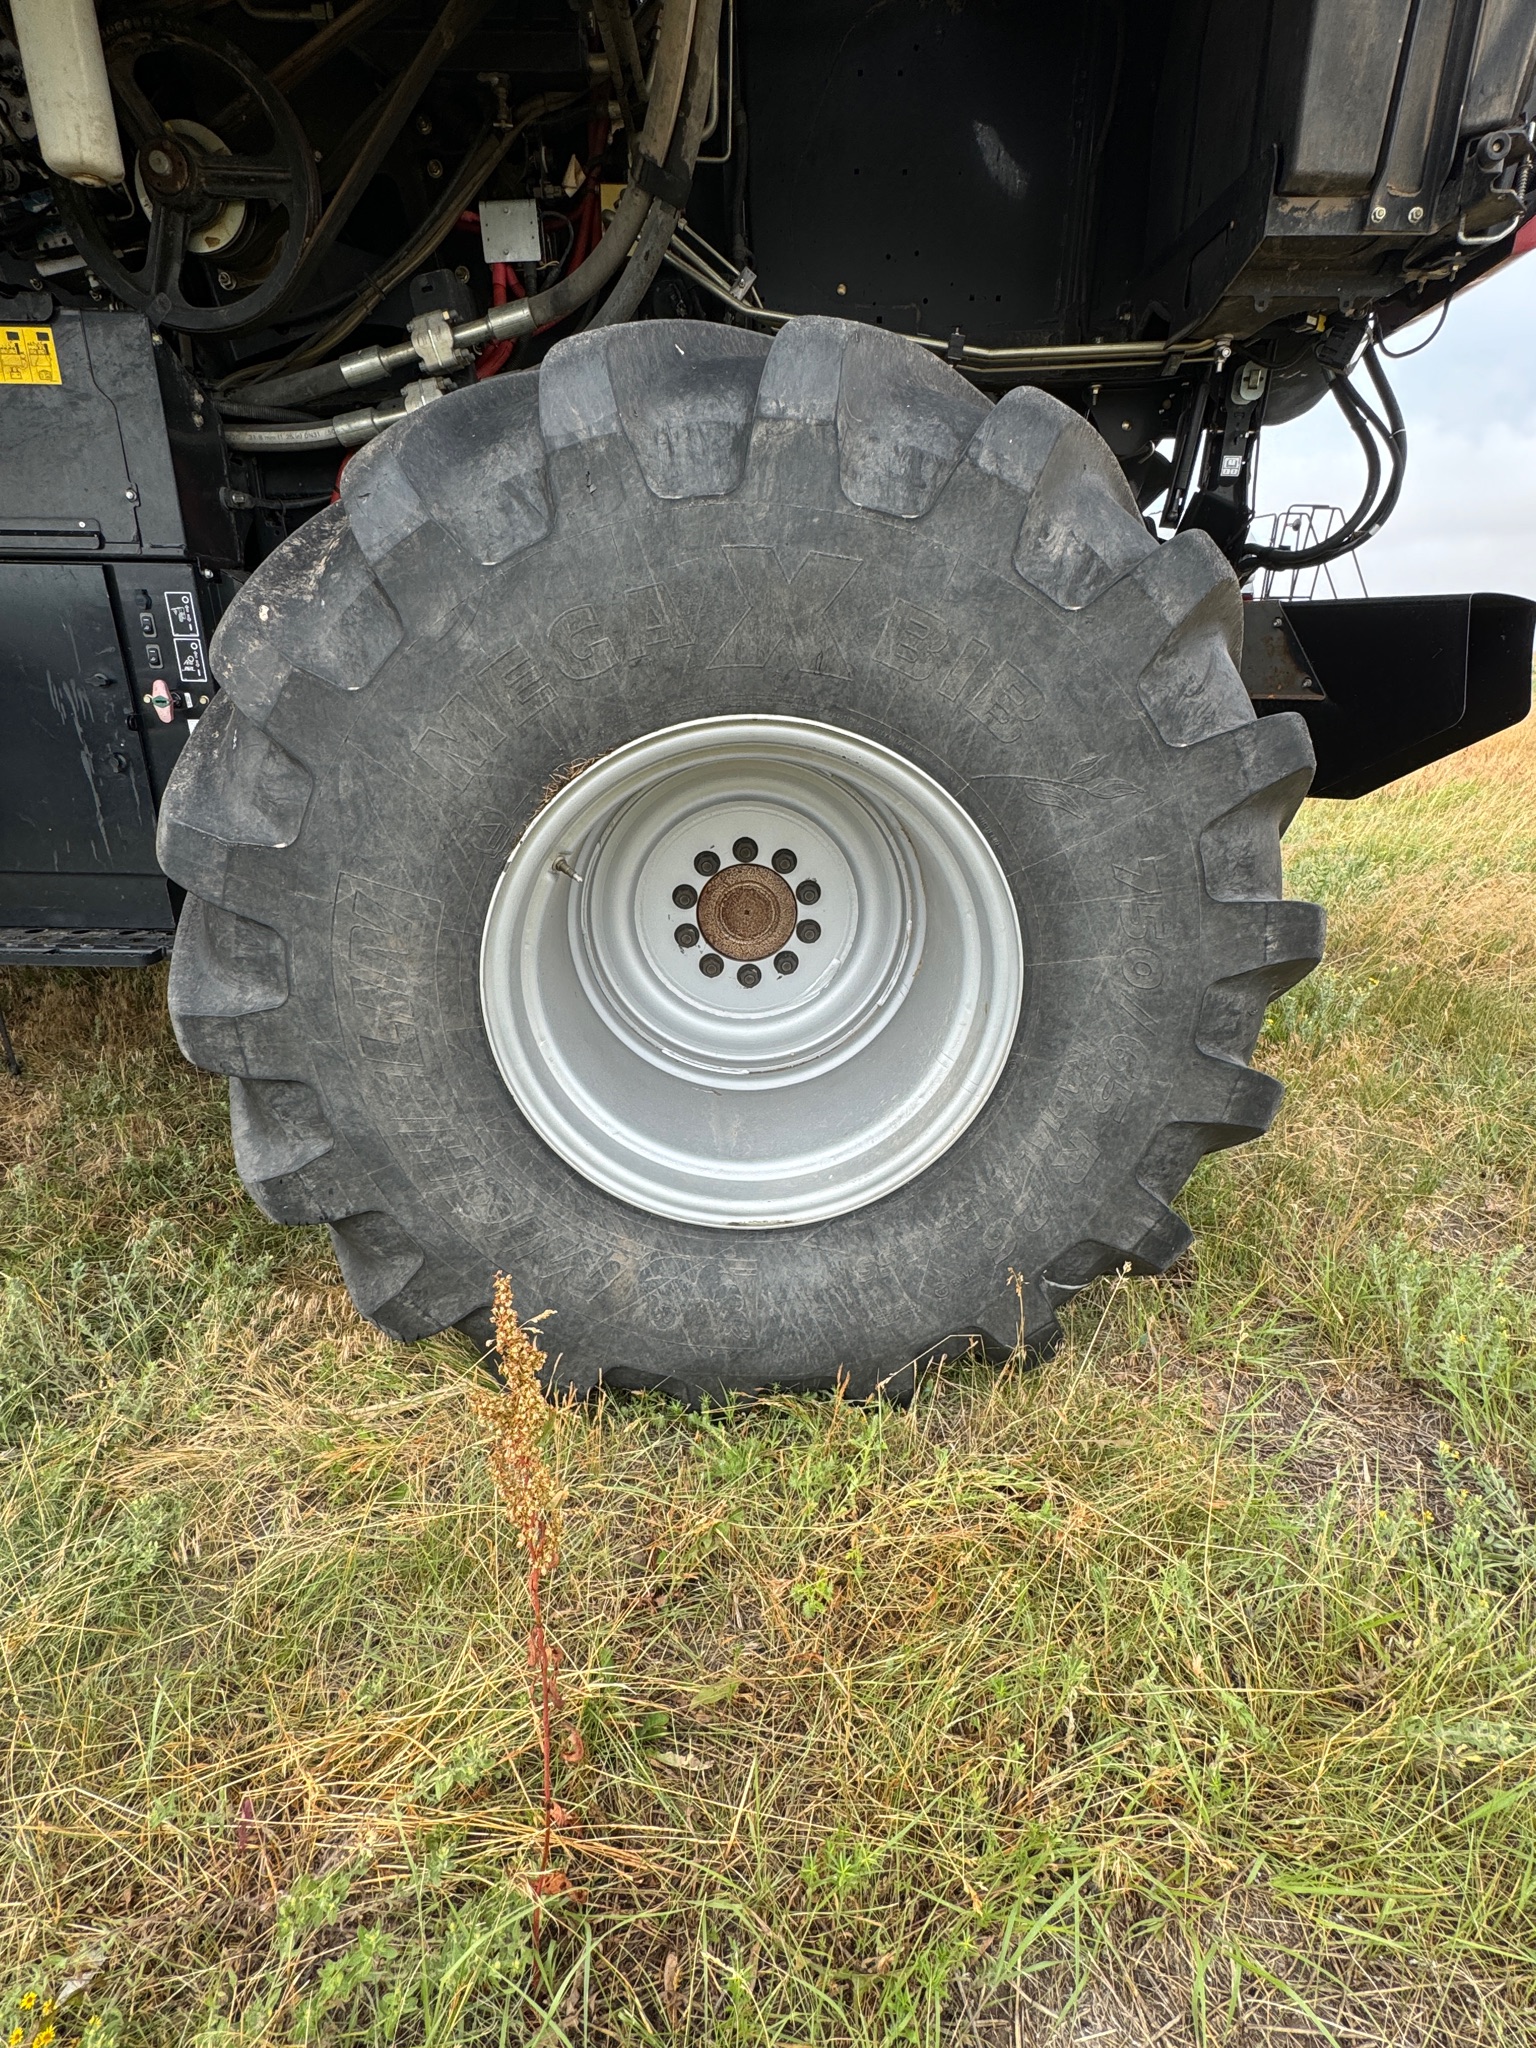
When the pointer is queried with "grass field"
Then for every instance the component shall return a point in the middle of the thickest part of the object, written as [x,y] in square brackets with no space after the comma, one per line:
[1182,1691]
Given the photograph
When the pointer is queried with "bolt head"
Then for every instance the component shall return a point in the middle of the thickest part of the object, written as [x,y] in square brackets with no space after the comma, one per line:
[1415,214]
[1378,213]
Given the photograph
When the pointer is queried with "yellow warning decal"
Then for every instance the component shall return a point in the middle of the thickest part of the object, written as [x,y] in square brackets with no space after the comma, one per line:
[28,356]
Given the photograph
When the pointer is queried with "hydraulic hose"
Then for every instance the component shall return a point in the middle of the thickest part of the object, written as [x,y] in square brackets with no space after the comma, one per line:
[346,430]
[1368,516]
[674,67]
[1396,438]
[654,158]
[625,298]
[371,365]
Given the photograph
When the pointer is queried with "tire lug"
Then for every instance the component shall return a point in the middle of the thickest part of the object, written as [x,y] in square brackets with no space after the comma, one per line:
[712,965]
[706,863]
[786,860]
[807,931]
[744,850]
[809,892]
[687,935]
[786,963]
[685,897]
[749,976]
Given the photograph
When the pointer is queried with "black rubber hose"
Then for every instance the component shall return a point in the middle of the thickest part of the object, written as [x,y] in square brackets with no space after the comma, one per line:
[624,301]
[1347,538]
[663,129]
[1396,439]
[630,216]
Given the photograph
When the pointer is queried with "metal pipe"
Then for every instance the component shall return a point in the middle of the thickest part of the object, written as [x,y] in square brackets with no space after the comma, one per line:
[1084,355]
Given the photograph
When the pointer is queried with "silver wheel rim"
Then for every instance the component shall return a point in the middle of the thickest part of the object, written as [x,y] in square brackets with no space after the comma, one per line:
[776,1087]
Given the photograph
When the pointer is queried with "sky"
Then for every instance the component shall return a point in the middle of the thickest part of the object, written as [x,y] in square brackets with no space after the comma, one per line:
[1467,516]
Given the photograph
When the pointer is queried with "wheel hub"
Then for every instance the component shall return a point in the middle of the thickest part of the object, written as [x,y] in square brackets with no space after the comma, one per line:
[170,172]
[166,170]
[740,1041]
[746,912]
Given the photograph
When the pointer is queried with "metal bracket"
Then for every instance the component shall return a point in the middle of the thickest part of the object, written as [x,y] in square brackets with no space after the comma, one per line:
[431,335]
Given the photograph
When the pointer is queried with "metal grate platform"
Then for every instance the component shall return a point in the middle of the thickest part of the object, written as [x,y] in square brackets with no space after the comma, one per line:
[48,946]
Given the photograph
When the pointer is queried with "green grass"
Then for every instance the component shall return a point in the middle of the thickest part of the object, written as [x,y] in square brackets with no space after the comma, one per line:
[1185,1687]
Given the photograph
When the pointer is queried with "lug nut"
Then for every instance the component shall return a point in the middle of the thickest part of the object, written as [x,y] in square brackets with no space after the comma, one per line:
[786,860]
[684,896]
[786,963]
[706,863]
[809,892]
[749,976]
[712,965]
[687,935]
[807,931]
[745,849]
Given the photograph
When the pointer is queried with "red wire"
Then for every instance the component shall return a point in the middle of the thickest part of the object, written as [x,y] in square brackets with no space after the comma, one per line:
[586,218]
[496,354]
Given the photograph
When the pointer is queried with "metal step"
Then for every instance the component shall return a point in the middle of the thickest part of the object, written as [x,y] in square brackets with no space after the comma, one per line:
[48,946]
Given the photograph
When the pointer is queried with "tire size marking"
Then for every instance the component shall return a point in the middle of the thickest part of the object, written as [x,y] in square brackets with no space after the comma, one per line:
[920,647]
[1141,914]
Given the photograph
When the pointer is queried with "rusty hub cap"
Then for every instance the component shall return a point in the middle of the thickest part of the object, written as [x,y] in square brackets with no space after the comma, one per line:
[166,169]
[746,912]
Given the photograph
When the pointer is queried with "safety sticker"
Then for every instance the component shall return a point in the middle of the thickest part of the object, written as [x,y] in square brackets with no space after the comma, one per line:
[28,356]
[186,638]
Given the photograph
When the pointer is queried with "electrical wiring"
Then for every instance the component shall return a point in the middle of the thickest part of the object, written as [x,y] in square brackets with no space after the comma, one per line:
[1399,355]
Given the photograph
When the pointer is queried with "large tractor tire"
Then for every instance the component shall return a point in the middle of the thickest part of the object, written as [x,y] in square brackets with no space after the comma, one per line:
[756,842]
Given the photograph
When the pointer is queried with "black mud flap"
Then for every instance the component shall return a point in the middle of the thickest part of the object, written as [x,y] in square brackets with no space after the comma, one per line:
[1389,683]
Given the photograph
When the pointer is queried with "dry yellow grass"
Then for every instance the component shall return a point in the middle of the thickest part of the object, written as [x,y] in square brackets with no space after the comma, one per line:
[1182,1692]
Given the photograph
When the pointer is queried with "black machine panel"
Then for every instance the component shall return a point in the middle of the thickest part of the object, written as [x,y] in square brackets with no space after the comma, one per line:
[1388,684]
[103,460]
[110,479]
[923,167]
[82,758]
